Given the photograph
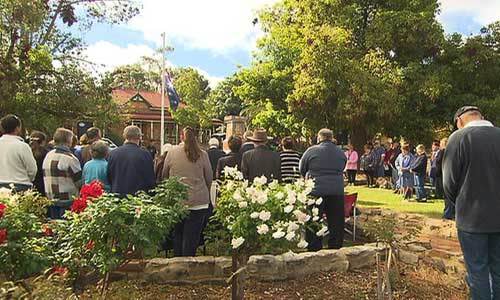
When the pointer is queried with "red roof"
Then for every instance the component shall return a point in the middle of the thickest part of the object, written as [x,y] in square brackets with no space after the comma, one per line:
[122,96]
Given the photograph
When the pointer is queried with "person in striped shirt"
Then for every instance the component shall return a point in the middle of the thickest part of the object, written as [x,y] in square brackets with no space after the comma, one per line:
[289,160]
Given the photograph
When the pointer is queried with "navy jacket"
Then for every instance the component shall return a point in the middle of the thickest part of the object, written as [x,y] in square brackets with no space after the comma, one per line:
[419,165]
[261,161]
[214,154]
[130,169]
[324,163]
[471,177]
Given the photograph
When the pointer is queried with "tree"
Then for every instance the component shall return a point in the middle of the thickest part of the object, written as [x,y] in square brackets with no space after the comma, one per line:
[135,77]
[340,63]
[36,35]
[224,99]
[193,90]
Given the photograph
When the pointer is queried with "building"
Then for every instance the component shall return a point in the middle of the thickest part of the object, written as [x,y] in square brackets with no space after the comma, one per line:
[143,109]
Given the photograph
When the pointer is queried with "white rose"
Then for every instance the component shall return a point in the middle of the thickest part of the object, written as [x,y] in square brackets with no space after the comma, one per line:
[260,197]
[322,231]
[292,197]
[280,195]
[254,215]
[278,234]
[264,215]
[260,180]
[292,227]
[315,218]
[288,209]
[311,202]
[302,244]
[319,201]
[236,243]
[274,184]
[237,196]
[302,197]
[5,192]
[290,236]
[301,217]
[315,211]
[242,204]
[262,229]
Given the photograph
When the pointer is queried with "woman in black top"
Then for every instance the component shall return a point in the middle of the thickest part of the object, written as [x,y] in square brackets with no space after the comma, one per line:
[233,159]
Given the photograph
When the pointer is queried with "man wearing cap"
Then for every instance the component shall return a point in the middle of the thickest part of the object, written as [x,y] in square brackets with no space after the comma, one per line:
[325,163]
[261,161]
[471,179]
[214,153]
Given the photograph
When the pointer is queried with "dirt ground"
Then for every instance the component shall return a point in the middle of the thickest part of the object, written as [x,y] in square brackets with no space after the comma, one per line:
[424,283]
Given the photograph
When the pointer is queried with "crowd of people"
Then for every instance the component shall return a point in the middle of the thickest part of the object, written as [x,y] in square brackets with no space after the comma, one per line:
[464,170]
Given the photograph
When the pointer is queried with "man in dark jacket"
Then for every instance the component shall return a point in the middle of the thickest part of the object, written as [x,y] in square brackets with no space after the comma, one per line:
[325,163]
[130,168]
[247,143]
[471,174]
[233,159]
[214,154]
[261,161]
[419,168]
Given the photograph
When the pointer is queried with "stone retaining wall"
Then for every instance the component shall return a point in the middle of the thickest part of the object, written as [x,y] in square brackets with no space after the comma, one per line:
[188,270]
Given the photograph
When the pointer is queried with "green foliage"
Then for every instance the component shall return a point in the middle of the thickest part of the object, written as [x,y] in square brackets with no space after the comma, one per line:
[388,230]
[193,90]
[224,99]
[24,252]
[37,35]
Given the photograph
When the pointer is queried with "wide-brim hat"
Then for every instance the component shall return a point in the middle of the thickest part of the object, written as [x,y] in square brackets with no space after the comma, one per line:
[259,135]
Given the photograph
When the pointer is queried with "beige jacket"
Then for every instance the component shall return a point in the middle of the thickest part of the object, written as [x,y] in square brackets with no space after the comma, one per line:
[198,175]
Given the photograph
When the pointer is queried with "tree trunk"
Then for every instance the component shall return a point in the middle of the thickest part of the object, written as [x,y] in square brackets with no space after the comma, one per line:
[359,137]
[239,263]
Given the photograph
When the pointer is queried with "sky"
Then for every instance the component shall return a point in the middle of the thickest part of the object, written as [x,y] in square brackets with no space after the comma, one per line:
[217,36]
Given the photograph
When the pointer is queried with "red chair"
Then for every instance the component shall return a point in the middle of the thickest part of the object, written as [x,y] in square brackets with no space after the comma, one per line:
[350,209]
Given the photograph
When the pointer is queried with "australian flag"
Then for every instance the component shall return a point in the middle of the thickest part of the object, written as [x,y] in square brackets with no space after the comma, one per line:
[173,97]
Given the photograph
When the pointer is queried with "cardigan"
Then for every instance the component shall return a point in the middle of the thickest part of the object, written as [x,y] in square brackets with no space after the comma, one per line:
[197,175]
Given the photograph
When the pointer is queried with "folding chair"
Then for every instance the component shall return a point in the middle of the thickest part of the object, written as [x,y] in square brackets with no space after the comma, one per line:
[350,209]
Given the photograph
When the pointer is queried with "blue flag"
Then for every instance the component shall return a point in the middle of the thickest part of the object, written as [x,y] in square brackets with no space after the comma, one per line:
[173,97]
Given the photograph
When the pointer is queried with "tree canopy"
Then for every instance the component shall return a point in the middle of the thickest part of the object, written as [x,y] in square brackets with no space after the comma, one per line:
[366,66]
[42,71]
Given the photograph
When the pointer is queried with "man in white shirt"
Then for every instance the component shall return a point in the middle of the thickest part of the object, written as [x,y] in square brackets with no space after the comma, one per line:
[17,164]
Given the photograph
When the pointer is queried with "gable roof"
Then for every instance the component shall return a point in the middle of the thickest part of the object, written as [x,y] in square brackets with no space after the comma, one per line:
[123,96]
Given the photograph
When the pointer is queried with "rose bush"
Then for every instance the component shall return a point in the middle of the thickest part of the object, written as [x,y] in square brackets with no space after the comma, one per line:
[23,249]
[267,218]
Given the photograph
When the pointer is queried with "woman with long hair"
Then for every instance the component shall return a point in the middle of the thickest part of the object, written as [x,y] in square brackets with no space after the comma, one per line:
[38,144]
[189,162]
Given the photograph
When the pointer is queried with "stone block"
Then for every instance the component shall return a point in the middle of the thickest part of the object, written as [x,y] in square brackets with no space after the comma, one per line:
[360,256]
[408,257]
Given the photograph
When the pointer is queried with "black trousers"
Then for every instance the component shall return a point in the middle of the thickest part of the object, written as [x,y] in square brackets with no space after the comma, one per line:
[351,176]
[439,187]
[370,179]
[187,233]
[333,207]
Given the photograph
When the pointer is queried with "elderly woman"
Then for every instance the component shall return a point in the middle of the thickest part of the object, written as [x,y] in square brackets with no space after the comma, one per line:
[97,167]
[403,164]
[62,174]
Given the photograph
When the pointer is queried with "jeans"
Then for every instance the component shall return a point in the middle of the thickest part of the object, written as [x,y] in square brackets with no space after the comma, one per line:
[370,174]
[18,188]
[395,178]
[351,176]
[187,233]
[333,206]
[419,187]
[482,260]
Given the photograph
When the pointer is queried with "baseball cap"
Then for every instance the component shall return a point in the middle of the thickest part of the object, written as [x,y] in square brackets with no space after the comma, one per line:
[464,109]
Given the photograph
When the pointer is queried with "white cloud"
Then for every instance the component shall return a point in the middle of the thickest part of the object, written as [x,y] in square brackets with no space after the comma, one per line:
[483,11]
[108,56]
[217,25]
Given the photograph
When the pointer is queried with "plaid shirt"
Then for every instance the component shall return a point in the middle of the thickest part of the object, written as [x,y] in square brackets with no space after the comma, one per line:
[62,176]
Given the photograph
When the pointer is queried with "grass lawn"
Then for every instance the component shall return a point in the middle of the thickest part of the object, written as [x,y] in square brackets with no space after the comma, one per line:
[375,197]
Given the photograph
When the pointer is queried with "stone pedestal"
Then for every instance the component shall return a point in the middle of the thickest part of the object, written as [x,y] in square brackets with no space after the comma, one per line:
[235,125]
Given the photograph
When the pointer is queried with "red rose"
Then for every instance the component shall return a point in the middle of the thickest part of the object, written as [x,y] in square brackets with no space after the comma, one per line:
[2,209]
[93,190]
[60,270]
[79,205]
[47,231]
[3,236]
[90,245]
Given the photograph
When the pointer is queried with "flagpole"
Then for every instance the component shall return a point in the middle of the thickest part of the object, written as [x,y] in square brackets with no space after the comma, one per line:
[162,126]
